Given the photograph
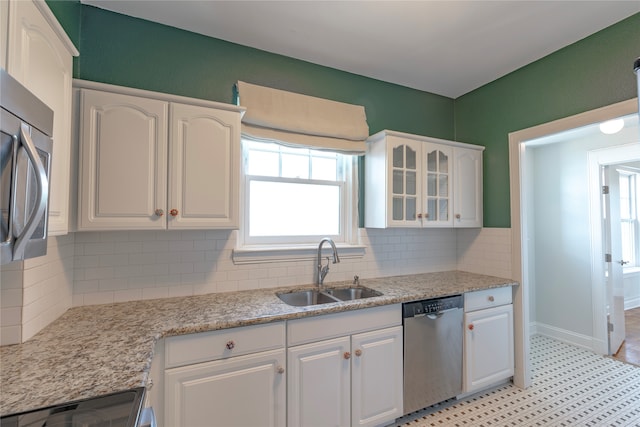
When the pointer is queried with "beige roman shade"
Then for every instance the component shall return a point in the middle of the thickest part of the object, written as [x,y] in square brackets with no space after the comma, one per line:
[302,120]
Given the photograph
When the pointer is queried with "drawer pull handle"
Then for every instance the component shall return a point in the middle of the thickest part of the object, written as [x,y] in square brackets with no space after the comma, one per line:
[280,370]
[491,298]
[358,352]
[230,345]
[470,326]
[347,355]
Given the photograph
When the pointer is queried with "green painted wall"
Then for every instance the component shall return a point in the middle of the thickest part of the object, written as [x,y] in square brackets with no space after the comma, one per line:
[589,74]
[131,52]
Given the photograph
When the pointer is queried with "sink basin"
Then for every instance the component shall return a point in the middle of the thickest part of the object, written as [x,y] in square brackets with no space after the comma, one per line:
[315,297]
[304,298]
[348,294]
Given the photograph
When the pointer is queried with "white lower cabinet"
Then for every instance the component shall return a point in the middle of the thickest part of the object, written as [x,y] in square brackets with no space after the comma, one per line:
[233,378]
[488,341]
[240,391]
[350,380]
[342,369]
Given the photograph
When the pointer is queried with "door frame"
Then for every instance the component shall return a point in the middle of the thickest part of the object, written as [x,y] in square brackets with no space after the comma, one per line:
[520,221]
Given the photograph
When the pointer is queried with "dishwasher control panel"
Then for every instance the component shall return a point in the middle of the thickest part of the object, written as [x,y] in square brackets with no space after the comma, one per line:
[431,306]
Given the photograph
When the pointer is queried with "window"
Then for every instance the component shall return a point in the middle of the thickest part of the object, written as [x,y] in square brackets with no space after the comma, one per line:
[296,196]
[629,206]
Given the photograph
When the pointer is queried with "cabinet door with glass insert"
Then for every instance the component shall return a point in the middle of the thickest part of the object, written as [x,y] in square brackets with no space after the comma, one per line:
[437,175]
[405,167]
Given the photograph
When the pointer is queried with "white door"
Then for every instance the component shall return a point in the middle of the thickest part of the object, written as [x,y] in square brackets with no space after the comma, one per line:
[243,391]
[612,240]
[204,160]
[319,384]
[123,162]
[376,377]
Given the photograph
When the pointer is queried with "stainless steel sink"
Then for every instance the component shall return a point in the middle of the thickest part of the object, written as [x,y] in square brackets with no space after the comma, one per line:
[315,297]
[304,298]
[348,294]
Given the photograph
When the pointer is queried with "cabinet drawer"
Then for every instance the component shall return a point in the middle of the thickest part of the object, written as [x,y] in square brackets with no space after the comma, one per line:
[310,329]
[487,298]
[205,346]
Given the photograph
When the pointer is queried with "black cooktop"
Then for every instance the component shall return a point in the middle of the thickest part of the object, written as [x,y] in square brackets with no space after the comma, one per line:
[120,409]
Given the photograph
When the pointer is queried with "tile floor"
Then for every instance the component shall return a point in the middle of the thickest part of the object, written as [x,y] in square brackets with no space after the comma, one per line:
[630,350]
[571,387]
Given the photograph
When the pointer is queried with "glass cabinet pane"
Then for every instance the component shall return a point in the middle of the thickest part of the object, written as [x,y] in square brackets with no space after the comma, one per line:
[411,183]
[432,161]
[398,156]
[444,162]
[411,209]
[398,182]
[432,212]
[443,188]
[443,214]
[432,189]
[398,209]
[411,158]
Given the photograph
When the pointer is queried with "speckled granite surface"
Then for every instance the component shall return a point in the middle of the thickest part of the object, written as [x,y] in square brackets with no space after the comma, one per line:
[94,350]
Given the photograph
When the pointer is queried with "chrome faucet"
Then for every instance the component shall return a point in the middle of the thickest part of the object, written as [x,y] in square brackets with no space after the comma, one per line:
[323,270]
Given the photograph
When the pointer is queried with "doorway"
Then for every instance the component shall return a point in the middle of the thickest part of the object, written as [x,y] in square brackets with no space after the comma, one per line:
[561,301]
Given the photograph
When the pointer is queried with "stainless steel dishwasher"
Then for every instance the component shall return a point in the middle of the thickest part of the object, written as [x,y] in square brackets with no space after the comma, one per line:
[432,351]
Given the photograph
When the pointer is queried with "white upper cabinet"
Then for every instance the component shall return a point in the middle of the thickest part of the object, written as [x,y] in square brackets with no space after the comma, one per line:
[417,181]
[123,158]
[203,173]
[152,163]
[40,56]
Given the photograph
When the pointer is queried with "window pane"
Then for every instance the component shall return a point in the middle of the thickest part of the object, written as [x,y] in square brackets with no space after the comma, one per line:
[293,209]
[263,163]
[411,183]
[324,168]
[295,166]
[444,162]
[411,158]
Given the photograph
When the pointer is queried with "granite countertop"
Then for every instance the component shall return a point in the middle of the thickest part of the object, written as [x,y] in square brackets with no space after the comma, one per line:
[94,350]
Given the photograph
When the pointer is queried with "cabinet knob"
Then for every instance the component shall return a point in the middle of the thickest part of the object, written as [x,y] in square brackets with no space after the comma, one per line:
[358,352]
[230,345]
[347,355]
[419,216]
[159,212]
[173,212]
[280,370]
[457,216]
[470,326]
[491,298]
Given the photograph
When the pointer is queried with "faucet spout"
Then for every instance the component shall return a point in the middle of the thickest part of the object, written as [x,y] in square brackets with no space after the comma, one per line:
[323,270]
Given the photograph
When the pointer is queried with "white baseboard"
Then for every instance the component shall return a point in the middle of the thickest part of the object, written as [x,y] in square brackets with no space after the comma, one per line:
[569,337]
[630,303]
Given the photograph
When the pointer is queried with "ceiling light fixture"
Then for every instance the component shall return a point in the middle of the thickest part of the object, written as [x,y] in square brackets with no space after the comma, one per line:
[611,126]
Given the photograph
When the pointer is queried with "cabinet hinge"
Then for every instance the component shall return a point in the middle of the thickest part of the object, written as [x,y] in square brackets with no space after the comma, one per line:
[607,257]
[605,189]
[610,327]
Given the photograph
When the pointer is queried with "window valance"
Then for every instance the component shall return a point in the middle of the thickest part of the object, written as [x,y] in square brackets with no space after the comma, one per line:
[302,120]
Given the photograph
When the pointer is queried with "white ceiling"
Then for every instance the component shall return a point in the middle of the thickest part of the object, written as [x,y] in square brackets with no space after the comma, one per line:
[443,47]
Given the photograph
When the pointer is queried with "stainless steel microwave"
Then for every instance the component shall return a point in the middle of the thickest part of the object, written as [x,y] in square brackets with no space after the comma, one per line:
[26,126]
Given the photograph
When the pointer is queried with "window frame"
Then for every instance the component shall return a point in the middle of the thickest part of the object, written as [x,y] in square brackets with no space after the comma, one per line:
[634,221]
